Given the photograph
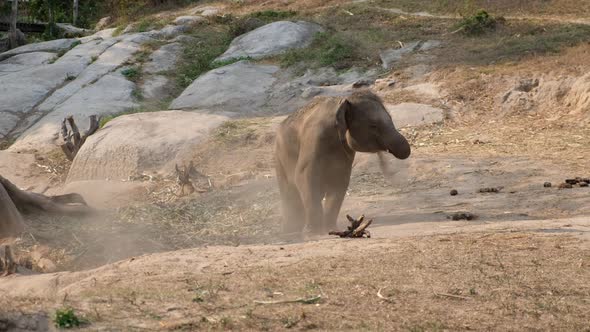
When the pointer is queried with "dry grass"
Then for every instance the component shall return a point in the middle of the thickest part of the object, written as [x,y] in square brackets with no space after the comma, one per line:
[477,281]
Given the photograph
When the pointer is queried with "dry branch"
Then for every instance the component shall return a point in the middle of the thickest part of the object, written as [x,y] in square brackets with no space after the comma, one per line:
[309,300]
[72,139]
[357,228]
[184,179]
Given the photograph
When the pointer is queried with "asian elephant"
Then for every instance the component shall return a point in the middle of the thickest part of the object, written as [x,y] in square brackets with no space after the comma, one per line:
[315,149]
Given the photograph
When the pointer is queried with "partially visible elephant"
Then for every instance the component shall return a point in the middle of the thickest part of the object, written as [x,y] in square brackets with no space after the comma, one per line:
[315,149]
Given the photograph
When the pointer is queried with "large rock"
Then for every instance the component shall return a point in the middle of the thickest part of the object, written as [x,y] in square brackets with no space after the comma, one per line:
[112,55]
[189,20]
[155,87]
[48,46]
[111,94]
[24,61]
[142,143]
[271,39]
[241,87]
[164,59]
[391,56]
[67,30]
[411,114]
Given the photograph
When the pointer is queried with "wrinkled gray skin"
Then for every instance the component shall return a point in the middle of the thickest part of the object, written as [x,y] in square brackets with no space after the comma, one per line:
[314,152]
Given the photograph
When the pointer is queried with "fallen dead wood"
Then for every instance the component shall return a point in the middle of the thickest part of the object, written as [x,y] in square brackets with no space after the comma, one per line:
[309,300]
[184,179]
[72,139]
[14,201]
[357,228]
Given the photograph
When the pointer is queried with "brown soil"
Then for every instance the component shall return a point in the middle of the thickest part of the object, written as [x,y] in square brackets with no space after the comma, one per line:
[522,264]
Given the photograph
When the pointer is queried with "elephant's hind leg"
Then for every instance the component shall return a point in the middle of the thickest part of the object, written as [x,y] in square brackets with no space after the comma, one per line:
[292,207]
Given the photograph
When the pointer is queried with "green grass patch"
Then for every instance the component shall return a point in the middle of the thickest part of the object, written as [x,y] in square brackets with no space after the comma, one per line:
[107,118]
[274,15]
[132,73]
[199,55]
[327,49]
[477,24]
[66,318]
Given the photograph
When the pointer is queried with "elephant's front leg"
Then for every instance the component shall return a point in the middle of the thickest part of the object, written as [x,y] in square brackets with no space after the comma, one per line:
[334,197]
[311,192]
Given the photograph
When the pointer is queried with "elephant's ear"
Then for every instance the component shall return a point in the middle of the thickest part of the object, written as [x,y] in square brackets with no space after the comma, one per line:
[341,124]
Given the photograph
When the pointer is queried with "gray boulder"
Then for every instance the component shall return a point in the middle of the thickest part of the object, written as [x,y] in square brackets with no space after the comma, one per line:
[111,94]
[48,46]
[271,39]
[69,31]
[411,114]
[242,87]
[189,20]
[24,61]
[155,87]
[164,59]
[142,143]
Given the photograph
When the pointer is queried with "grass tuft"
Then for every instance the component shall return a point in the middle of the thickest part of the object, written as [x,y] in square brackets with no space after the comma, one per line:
[66,318]
[477,24]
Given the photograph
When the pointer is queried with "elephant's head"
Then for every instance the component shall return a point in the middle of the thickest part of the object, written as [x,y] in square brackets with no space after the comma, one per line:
[365,126]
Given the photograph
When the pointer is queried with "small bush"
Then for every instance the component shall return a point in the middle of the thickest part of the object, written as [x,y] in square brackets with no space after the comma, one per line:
[478,23]
[273,15]
[240,26]
[66,319]
[133,73]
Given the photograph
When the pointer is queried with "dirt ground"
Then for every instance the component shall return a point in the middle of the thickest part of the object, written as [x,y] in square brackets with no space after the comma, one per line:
[216,260]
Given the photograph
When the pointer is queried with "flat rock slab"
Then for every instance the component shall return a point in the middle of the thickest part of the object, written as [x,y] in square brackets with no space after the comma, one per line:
[25,60]
[48,46]
[163,59]
[390,56]
[411,114]
[111,94]
[242,87]
[271,39]
[189,20]
[155,87]
[141,143]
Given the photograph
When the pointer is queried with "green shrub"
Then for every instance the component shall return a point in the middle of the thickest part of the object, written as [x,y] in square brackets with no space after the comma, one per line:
[273,15]
[478,23]
[132,73]
[66,318]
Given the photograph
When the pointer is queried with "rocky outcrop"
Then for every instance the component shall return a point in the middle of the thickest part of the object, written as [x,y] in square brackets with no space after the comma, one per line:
[271,39]
[393,55]
[412,114]
[48,46]
[163,59]
[189,20]
[241,87]
[142,143]
[25,61]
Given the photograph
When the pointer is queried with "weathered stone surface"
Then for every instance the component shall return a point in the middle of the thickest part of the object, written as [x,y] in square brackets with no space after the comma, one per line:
[155,87]
[171,31]
[69,31]
[24,61]
[391,56]
[163,59]
[112,55]
[7,121]
[48,46]
[240,87]
[411,114]
[271,39]
[206,11]
[111,94]
[103,23]
[141,143]
[189,20]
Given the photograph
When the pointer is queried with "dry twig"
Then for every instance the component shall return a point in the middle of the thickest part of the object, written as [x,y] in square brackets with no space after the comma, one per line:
[303,300]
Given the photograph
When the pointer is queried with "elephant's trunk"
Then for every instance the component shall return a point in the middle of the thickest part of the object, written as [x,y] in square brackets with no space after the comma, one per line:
[398,146]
